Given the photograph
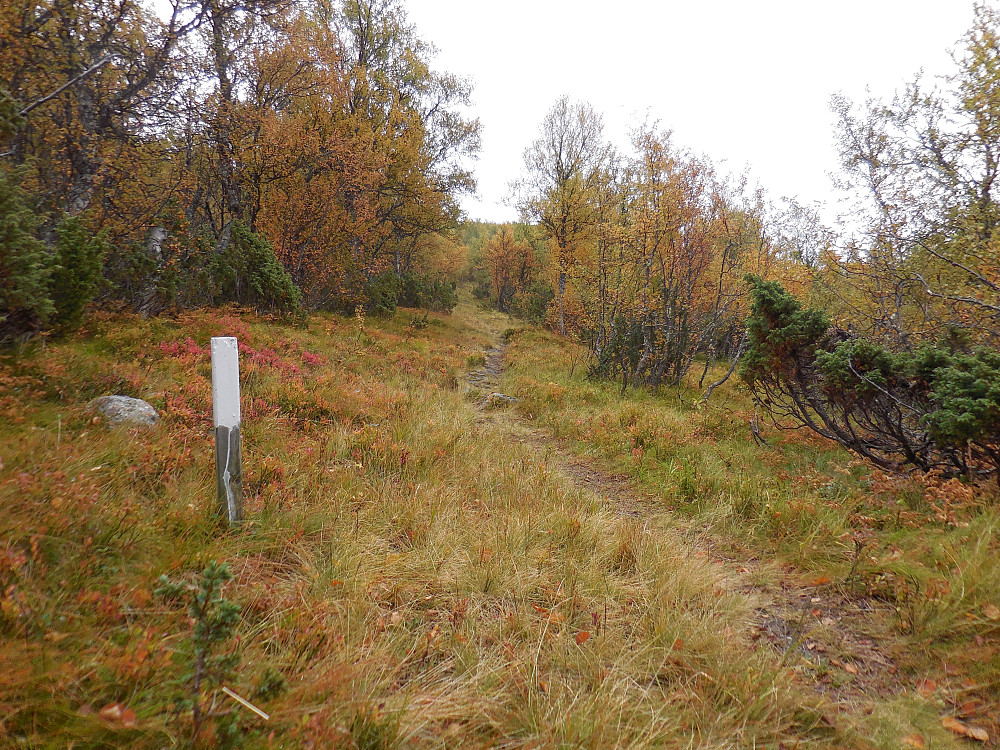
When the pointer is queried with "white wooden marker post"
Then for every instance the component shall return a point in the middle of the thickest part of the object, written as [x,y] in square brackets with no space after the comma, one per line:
[226,414]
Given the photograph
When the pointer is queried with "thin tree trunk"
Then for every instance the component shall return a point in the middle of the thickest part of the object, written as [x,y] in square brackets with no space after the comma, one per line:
[732,368]
[562,303]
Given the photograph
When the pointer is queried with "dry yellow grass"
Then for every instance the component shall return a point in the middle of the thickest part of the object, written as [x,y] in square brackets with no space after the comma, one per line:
[413,572]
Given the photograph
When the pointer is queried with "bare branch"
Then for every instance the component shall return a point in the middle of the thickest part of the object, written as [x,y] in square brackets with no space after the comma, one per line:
[89,71]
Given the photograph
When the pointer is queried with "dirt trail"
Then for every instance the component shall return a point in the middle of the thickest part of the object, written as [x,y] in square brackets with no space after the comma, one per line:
[487,377]
[825,632]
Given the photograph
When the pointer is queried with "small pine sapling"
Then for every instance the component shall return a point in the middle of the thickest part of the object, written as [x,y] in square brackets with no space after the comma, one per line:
[214,621]
[77,275]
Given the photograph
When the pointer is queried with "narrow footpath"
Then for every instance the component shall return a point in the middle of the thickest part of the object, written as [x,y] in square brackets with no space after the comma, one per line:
[823,632]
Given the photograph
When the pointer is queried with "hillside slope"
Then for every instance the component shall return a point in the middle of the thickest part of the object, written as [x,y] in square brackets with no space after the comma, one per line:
[579,569]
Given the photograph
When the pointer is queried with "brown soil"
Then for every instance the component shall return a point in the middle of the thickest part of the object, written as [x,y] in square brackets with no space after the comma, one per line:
[487,377]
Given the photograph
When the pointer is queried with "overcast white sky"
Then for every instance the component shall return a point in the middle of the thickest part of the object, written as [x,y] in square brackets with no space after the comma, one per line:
[745,82]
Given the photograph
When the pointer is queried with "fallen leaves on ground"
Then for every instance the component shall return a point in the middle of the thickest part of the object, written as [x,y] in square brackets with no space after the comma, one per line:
[977,733]
[966,730]
[953,725]
[117,713]
[926,687]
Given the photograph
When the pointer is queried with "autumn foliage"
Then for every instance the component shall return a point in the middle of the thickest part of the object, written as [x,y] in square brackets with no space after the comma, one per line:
[647,252]
[512,267]
[321,129]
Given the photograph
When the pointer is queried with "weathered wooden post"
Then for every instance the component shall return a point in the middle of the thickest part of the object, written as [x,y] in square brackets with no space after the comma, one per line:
[226,414]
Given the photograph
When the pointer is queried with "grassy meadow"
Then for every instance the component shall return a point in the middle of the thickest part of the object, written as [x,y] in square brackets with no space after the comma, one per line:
[579,570]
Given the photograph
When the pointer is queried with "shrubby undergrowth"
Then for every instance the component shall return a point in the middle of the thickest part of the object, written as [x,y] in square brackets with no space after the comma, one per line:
[937,407]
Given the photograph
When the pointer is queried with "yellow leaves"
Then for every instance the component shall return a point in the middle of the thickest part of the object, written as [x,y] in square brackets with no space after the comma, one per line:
[511,264]
[991,612]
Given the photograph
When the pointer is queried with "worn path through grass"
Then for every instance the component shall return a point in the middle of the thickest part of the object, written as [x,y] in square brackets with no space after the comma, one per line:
[832,636]
[575,569]
[810,621]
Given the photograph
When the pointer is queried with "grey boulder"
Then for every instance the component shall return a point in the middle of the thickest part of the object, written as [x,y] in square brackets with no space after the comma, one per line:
[125,410]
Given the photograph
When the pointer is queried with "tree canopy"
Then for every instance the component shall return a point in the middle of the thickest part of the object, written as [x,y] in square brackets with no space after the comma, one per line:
[320,127]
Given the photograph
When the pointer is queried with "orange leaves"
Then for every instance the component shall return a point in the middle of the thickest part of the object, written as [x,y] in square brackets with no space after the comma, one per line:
[106,607]
[968,709]
[555,620]
[552,617]
[950,499]
[116,713]
[965,730]
[511,264]
[433,634]
[846,666]
[936,588]
[963,707]
[926,687]
[348,185]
